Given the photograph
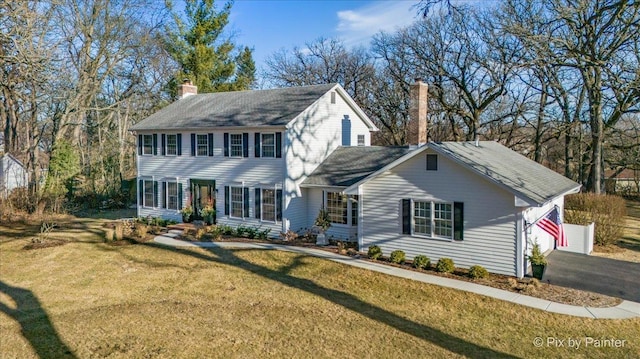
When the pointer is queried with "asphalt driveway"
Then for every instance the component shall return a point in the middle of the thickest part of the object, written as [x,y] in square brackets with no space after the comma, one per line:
[600,275]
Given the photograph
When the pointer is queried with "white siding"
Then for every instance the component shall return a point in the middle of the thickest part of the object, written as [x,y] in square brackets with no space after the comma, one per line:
[12,174]
[309,140]
[226,171]
[336,231]
[489,214]
[536,234]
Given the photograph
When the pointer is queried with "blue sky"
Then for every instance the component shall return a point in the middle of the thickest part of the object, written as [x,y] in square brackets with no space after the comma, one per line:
[270,25]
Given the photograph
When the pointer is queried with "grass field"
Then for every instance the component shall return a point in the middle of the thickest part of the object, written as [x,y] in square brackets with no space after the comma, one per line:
[87,299]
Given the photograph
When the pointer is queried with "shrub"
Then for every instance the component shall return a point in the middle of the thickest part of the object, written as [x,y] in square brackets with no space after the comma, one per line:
[397,256]
[215,232]
[421,261]
[477,271]
[200,232]
[445,265]
[227,230]
[374,252]
[606,211]
[118,231]
[141,230]
[263,234]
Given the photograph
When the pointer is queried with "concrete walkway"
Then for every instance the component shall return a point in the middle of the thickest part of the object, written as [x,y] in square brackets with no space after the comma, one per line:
[626,309]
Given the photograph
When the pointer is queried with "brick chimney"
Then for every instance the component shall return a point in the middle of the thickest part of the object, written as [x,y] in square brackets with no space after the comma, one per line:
[186,89]
[417,126]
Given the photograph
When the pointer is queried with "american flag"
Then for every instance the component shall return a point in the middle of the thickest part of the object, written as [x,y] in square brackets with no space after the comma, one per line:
[552,224]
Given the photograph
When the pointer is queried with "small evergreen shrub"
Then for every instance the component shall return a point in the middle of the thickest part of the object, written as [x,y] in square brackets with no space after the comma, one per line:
[397,256]
[445,265]
[607,211]
[263,235]
[421,261]
[374,252]
[227,230]
[477,272]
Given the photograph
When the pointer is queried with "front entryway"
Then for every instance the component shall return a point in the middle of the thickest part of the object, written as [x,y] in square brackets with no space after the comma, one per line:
[203,193]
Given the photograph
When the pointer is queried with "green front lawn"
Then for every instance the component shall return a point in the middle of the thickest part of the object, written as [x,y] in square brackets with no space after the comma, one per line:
[89,299]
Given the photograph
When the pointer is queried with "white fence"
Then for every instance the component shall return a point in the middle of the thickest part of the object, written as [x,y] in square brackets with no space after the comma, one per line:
[579,238]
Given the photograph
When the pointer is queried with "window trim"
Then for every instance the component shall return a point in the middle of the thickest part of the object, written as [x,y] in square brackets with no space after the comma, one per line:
[166,150]
[167,195]
[262,204]
[231,202]
[231,145]
[262,145]
[144,136]
[350,208]
[432,220]
[145,193]
[198,145]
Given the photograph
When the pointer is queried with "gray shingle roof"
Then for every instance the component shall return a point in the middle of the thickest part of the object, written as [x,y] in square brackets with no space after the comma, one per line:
[526,178]
[348,165]
[241,108]
[508,168]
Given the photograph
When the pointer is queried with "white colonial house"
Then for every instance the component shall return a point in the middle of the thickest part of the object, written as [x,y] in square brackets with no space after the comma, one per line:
[274,158]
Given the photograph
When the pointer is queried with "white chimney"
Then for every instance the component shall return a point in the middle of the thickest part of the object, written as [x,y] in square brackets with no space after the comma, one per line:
[186,89]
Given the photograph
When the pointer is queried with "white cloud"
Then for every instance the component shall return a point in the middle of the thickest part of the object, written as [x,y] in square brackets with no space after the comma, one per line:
[357,26]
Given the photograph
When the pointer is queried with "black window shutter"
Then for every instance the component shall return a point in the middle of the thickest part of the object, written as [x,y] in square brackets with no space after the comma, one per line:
[164,144]
[432,162]
[155,194]
[245,145]
[258,203]
[406,216]
[226,144]
[278,144]
[257,144]
[210,143]
[279,205]
[246,202]
[179,196]
[226,200]
[140,145]
[164,194]
[141,192]
[155,144]
[458,221]
[179,140]
[193,144]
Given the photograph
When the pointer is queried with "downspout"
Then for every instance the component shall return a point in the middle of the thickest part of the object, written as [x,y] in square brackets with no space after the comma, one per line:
[360,218]
[521,238]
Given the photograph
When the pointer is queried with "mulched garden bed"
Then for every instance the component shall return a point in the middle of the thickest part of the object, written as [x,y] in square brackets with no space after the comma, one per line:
[527,286]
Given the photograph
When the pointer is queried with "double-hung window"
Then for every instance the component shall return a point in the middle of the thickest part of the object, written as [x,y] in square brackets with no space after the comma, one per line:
[443,220]
[268,204]
[342,208]
[147,144]
[172,145]
[236,146]
[147,193]
[268,145]
[202,145]
[172,195]
[237,202]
